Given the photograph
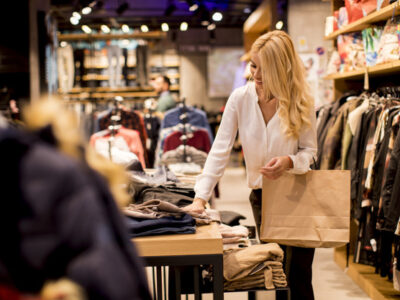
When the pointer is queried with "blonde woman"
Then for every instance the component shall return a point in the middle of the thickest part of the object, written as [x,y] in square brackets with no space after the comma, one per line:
[275,117]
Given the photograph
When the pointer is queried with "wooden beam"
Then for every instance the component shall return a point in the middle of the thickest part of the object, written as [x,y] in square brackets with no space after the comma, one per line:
[101,36]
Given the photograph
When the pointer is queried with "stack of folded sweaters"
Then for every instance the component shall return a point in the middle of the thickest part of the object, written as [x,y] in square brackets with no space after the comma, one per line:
[156,217]
[257,266]
[234,237]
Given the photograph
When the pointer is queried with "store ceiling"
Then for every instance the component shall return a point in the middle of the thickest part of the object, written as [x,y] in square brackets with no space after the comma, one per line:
[153,12]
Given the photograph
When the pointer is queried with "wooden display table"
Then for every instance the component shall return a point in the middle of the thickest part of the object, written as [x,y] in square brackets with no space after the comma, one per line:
[202,248]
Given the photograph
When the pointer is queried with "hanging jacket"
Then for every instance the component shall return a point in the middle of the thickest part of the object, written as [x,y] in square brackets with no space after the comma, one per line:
[58,219]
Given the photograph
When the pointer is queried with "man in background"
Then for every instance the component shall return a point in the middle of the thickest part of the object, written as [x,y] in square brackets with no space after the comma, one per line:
[165,101]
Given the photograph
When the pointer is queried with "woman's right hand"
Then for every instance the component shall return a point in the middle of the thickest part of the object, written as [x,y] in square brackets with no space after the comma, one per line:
[198,206]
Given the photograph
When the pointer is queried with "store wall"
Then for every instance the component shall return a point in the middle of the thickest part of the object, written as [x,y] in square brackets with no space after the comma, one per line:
[193,47]
[306,18]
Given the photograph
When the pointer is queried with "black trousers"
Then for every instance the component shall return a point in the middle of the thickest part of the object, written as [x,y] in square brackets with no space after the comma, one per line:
[297,261]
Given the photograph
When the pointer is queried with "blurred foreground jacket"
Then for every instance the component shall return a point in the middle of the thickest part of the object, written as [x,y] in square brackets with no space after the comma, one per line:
[58,219]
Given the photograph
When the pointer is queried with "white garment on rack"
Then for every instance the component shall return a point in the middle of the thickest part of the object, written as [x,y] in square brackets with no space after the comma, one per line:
[260,143]
[120,153]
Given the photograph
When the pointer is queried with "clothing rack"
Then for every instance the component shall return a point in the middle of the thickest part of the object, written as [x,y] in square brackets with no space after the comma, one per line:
[184,120]
[115,120]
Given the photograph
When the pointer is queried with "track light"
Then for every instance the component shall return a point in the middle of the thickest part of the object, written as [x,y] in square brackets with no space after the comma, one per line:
[184,26]
[205,23]
[247,10]
[105,28]
[279,25]
[193,7]
[211,26]
[125,28]
[217,16]
[74,20]
[86,29]
[76,15]
[122,8]
[86,10]
[164,27]
[144,28]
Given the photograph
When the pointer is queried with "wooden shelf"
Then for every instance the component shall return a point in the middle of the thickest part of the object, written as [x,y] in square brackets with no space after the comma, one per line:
[83,96]
[111,36]
[116,90]
[382,69]
[374,285]
[381,15]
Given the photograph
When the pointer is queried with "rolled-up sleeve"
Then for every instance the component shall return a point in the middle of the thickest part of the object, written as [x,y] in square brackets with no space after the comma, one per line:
[307,148]
[218,156]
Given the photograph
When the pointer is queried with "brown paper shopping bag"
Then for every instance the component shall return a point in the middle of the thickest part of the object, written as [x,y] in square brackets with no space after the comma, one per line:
[310,210]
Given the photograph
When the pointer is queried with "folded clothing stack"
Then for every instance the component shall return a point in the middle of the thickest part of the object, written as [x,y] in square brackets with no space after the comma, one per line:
[155,217]
[258,266]
[234,237]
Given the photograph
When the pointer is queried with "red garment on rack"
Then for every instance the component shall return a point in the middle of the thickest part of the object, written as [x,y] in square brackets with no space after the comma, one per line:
[200,141]
[132,138]
[130,120]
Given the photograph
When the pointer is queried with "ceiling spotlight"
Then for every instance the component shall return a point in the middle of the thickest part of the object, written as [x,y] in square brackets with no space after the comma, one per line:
[74,21]
[76,15]
[211,26]
[86,10]
[105,28]
[205,23]
[63,44]
[122,8]
[86,29]
[217,16]
[194,7]
[144,28]
[125,28]
[279,25]
[164,27]
[169,10]
[184,26]
[247,10]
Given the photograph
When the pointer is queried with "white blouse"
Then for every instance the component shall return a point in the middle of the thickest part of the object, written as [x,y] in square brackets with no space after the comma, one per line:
[260,142]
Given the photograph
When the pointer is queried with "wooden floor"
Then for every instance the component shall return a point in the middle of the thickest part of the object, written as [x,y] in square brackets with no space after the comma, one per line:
[374,285]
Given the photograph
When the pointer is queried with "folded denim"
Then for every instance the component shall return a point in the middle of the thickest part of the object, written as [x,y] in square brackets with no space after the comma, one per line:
[166,230]
[165,225]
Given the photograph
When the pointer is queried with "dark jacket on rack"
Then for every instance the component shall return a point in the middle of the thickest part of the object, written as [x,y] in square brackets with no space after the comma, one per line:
[391,190]
[58,219]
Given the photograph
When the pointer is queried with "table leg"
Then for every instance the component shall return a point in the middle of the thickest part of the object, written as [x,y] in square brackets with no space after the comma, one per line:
[218,278]
[177,273]
[159,284]
[196,278]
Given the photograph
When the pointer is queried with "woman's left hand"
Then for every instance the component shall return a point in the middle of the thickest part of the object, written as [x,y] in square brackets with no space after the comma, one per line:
[276,166]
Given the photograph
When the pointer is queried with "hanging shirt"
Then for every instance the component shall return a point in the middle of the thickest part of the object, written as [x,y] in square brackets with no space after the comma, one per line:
[196,117]
[197,139]
[131,137]
[260,142]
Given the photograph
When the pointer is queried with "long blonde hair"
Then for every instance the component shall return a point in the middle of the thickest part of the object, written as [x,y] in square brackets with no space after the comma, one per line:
[283,77]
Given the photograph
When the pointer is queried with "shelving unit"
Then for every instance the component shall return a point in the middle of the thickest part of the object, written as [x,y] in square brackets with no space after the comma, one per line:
[377,70]
[377,74]
[377,16]
[376,287]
